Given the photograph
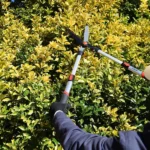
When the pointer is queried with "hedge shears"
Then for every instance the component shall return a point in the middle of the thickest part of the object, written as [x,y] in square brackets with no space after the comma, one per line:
[65,94]
[84,44]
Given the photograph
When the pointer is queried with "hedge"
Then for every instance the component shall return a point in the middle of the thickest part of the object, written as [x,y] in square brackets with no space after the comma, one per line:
[36,58]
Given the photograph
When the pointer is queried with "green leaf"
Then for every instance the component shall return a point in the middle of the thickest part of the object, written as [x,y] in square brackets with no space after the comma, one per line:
[22,128]
[27,135]
[6,100]
[54,141]
[26,92]
[2,116]
[142,107]
[30,112]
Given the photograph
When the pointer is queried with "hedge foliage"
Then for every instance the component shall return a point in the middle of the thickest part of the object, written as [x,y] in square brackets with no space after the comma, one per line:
[36,57]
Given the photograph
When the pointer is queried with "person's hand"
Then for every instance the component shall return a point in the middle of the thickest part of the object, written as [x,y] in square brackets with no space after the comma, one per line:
[56,106]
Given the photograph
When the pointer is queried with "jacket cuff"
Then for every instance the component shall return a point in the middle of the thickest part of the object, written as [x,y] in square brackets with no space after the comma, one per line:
[57,112]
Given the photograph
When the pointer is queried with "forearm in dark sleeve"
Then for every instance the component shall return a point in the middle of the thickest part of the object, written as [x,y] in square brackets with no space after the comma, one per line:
[73,138]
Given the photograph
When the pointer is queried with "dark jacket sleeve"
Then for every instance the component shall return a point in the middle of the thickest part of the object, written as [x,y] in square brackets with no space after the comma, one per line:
[73,138]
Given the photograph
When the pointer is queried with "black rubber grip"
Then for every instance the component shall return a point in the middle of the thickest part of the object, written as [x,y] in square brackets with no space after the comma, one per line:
[64,98]
[93,48]
[80,52]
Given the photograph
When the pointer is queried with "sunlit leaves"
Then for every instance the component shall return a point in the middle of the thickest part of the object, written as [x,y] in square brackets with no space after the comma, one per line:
[36,58]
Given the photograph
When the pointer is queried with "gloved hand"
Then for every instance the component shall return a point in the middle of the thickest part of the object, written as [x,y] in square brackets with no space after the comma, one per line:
[58,106]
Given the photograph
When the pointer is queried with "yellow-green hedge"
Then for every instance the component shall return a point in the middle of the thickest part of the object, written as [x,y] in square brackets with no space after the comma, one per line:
[36,57]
